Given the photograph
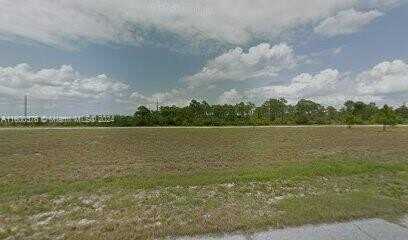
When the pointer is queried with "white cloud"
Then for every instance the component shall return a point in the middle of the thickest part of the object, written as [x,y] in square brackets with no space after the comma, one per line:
[385,78]
[63,90]
[178,97]
[337,51]
[302,86]
[63,23]
[346,22]
[230,96]
[59,88]
[386,82]
[262,61]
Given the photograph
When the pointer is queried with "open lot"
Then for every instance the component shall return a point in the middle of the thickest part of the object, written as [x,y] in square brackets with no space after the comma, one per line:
[141,183]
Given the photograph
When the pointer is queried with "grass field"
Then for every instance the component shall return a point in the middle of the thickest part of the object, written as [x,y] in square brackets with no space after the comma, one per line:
[145,183]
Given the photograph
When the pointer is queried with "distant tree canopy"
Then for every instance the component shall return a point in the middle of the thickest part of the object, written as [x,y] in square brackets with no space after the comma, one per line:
[271,112]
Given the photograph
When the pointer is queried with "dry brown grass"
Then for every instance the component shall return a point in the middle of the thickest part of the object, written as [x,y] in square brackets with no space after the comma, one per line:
[151,183]
[48,155]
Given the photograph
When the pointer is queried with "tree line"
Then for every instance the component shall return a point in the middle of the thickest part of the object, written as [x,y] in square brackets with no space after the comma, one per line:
[271,112]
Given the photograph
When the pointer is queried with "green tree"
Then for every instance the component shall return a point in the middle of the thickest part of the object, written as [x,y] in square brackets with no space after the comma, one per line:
[402,113]
[332,115]
[387,117]
[273,110]
[309,112]
[350,119]
[143,116]
[363,113]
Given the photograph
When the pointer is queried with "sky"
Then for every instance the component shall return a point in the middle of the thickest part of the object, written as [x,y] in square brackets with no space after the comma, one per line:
[105,57]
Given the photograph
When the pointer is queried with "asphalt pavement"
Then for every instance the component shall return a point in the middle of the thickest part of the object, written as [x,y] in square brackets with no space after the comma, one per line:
[368,229]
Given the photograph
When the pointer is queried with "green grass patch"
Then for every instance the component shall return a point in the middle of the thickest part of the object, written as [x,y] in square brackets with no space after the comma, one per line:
[292,171]
[340,207]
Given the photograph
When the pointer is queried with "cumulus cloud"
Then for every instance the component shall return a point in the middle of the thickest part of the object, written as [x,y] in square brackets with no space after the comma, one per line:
[262,61]
[63,23]
[230,96]
[346,22]
[64,90]
[62,87]
[67,87]
[386,82]
[386,78]
[302,86]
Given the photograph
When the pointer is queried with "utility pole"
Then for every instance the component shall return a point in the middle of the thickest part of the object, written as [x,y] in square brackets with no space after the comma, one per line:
[25,106]
[157,104]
